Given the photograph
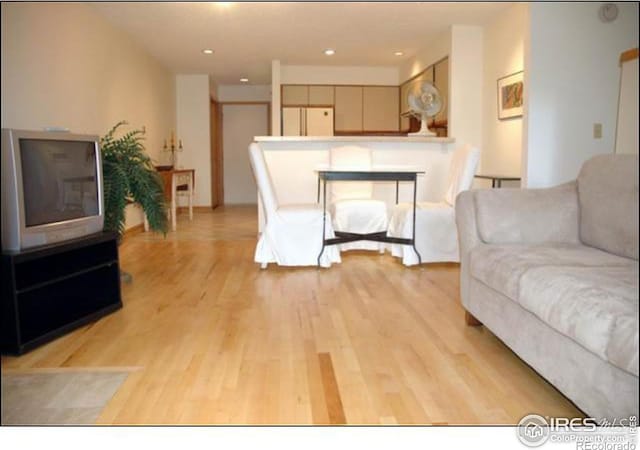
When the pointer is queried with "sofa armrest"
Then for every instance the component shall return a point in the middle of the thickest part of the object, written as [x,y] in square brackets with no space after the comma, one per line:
[514,216]
[468,237]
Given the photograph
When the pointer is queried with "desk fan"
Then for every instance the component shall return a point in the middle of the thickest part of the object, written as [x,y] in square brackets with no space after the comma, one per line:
[424,104]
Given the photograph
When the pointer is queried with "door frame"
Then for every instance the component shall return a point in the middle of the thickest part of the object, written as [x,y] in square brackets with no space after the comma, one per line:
[220,141]
[217,161]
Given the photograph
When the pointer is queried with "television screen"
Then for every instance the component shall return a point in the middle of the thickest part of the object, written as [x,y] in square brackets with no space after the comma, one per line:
[59,180]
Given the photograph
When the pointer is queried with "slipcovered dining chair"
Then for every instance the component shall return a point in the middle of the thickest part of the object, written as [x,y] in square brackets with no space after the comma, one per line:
[436,232]
[292,234]
[352,206]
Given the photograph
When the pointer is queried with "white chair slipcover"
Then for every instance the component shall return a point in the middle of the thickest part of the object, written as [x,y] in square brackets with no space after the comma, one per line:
[436,233]
[292,234]
[352,206]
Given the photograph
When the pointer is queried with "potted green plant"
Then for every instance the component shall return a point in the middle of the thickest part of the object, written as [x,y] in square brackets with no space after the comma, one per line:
[130,177]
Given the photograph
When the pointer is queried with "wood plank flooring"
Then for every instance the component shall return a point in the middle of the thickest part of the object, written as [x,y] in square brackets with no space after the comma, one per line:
[216,340]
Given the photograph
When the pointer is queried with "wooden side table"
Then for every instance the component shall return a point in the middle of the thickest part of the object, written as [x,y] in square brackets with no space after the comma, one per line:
[176,181]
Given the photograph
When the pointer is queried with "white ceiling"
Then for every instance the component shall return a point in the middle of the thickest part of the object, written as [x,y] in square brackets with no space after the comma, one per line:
[247,36]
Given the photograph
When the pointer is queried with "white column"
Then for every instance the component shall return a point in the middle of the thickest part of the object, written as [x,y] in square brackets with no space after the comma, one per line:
[193,123]
[465,84]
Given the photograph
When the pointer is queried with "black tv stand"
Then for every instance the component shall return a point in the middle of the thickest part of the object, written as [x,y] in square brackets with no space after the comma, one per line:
[51,290]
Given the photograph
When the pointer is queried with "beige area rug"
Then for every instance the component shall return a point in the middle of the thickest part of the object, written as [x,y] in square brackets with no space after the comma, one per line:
[58,398]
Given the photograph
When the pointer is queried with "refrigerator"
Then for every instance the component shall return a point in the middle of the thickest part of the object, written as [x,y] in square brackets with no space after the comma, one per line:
[307,121]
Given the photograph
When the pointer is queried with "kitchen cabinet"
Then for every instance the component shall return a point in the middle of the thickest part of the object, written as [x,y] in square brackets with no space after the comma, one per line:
[404,107]
[348,109]
[356,109]
[321,95]
[294,95]
[441,81]
[381,108]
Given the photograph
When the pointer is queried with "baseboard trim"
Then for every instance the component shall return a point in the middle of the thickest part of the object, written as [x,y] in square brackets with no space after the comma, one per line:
[196,209]
[136,229]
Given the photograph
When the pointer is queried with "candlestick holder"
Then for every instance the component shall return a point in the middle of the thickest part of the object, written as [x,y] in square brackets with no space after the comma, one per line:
[171,147]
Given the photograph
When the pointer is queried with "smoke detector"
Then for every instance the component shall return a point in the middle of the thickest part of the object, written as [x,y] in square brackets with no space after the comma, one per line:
[608,12]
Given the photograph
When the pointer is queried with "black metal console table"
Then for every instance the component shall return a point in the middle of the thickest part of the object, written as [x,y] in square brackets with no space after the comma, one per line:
[496,180]
[343,237]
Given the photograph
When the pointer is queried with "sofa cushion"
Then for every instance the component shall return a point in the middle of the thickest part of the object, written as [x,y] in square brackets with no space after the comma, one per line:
[608,199]
[528,216]
[595,306]
[502,266]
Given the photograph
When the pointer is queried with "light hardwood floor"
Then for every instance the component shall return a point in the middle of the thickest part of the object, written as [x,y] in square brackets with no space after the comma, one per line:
[217,340]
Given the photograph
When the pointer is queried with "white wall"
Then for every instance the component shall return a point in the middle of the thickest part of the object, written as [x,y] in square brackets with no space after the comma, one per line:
[364,75]
[244,93]
[192,110]
[503,55]
[213,88]
[435,50]
[571,82]
[466,85]
[64,65]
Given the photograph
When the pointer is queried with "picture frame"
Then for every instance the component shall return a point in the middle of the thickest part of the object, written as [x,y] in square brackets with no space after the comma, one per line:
[510,96]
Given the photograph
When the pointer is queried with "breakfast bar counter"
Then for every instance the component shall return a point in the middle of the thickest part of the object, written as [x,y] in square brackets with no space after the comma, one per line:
[293,160]
[369,139]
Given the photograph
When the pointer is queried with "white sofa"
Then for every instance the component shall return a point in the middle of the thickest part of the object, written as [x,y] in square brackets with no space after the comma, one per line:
[553,273]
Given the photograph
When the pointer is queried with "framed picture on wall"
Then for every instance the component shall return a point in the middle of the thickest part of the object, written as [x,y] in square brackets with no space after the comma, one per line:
[510,92]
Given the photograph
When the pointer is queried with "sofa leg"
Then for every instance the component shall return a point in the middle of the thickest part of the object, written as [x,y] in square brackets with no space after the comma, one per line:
[470,320]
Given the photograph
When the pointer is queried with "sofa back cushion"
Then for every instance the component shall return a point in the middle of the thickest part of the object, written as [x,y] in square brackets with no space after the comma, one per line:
[528,216]
[608,200]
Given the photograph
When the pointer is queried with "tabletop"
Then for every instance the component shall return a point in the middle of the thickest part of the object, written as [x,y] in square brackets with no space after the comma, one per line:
[498,177]
[375,174]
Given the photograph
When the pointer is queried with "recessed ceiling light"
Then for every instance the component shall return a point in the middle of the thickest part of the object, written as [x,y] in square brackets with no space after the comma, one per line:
[207,51]
[399,53]
[329,52]
[244,80]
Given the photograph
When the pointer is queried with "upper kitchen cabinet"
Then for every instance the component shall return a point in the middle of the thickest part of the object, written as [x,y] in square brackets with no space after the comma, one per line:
[381,108]
[441,81]
[293,95]
[321,95]
[357,109]
[348,109]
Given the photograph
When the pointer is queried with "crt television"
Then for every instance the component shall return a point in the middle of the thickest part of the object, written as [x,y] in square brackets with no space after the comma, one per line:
[51,187]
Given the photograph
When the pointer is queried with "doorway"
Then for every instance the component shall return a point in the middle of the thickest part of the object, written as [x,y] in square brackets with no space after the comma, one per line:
[240,123]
